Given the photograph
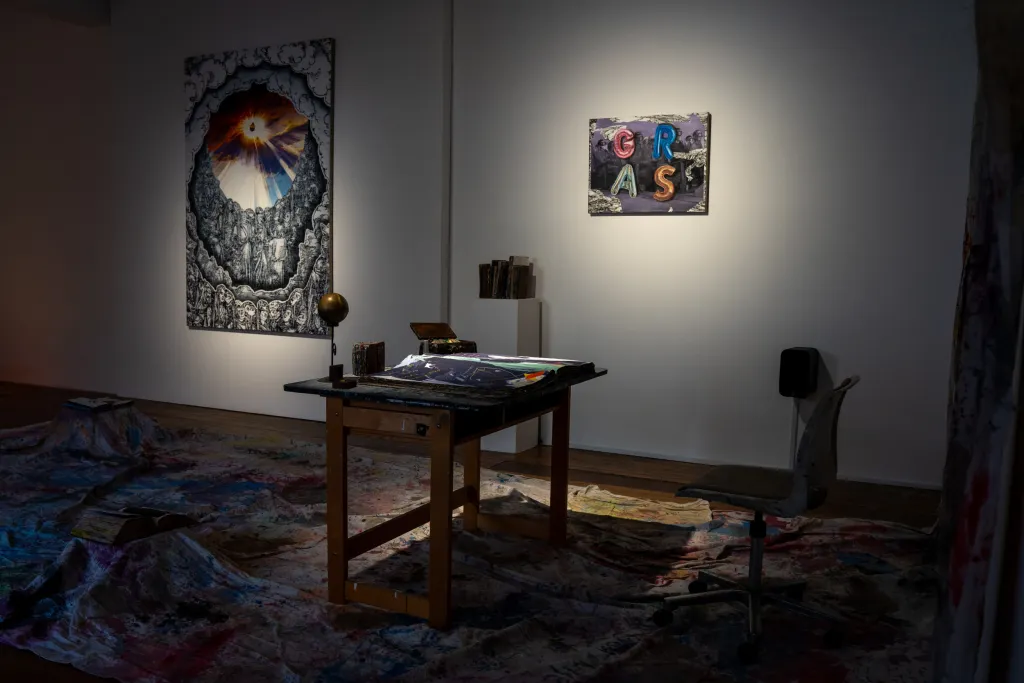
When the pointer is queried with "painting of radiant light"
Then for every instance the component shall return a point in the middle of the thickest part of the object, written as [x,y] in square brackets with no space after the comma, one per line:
[258,133]
[255,140]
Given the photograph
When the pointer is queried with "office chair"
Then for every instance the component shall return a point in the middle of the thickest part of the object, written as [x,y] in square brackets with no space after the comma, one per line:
[782,493]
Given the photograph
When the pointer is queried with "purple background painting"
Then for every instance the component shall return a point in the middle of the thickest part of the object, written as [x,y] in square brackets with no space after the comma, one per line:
[690,195]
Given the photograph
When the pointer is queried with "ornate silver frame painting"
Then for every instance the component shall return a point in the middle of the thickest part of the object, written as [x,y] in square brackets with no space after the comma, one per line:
[259,145]
[649,165]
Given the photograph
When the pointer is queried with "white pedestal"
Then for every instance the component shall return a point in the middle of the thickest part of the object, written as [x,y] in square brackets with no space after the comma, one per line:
[509,327]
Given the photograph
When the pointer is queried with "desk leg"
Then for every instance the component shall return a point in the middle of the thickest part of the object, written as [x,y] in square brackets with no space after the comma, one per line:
[559,471]
[439,575]
[337,500]
[471,479]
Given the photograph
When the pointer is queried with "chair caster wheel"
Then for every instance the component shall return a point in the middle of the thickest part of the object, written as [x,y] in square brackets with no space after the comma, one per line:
[662,618]
[747,652]
[834,637]
[698,586]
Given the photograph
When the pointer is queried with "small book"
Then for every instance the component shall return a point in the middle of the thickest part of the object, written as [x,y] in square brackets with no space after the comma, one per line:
[513,282]
[523,287]
[520,279]
[367,358]
[117,527]
[500,279]
[486,282]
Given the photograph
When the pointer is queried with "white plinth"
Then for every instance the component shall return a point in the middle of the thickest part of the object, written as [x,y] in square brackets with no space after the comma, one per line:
[509,327]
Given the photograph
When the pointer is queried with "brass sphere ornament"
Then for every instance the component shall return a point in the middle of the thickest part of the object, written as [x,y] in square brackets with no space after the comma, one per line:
[332,308]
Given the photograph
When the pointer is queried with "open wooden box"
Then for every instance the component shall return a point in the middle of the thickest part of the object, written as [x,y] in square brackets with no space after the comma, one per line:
[440,339]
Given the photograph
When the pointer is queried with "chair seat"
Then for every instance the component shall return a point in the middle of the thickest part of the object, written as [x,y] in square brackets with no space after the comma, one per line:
[754,488]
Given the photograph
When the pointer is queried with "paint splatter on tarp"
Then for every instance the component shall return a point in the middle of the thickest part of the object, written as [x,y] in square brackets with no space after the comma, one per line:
[242,595]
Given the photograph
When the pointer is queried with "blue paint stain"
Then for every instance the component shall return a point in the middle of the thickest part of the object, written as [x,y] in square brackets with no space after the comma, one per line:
[134,437]
[226,488]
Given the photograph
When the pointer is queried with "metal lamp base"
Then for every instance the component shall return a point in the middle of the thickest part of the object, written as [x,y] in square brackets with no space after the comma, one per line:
[336,375]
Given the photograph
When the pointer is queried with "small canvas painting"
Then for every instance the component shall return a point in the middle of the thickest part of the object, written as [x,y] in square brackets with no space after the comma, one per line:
[650,164]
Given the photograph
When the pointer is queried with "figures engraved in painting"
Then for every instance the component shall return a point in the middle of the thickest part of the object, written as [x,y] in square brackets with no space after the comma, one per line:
[205,305]
[260,262]
[277,250]
[318,286]
[262,316]
[223,308]
[274,309]
[257,247]
[256,184]
[247,316]
[242,234]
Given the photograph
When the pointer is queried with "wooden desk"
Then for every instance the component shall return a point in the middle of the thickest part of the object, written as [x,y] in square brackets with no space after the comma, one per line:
[421,413]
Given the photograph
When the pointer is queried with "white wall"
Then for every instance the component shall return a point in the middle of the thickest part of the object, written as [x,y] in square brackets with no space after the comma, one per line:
[839,144]
[55,268]
[387,249]
[840,137]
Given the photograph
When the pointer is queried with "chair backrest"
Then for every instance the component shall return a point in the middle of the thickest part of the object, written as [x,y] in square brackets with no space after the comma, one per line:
[816,457]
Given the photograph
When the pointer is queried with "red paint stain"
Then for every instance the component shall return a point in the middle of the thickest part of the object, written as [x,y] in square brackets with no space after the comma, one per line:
[966,533]
[194,657]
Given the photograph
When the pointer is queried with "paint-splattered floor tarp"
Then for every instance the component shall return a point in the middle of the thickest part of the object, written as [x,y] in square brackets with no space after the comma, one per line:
[241,596]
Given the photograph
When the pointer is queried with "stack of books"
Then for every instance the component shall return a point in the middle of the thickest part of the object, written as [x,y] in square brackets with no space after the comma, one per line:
[507,279]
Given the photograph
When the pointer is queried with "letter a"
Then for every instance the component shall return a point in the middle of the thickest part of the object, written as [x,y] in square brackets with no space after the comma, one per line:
[626,177]
[664,136]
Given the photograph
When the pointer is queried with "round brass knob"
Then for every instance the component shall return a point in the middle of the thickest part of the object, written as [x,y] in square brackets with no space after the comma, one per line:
[332,308]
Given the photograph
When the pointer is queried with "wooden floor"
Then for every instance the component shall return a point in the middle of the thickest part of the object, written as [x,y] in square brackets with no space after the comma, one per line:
[626,475]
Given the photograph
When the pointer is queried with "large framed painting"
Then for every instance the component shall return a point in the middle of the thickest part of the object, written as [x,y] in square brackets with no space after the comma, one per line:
[258,138]
[649,165]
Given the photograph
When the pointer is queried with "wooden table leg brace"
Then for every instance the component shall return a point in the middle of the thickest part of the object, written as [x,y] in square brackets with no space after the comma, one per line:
[434,427]
[554,531]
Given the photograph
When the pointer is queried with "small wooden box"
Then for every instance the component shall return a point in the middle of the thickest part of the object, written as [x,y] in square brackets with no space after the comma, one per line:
[446,346]
[367,358]
[440,339]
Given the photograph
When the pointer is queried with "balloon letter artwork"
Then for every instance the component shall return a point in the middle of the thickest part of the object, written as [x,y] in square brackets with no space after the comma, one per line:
[668,189]
[258,188]
[664,136]
[661,161]
[627,179]
[624,144]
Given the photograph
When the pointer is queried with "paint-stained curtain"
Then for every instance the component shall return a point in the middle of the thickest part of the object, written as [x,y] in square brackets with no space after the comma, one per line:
[975,519]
